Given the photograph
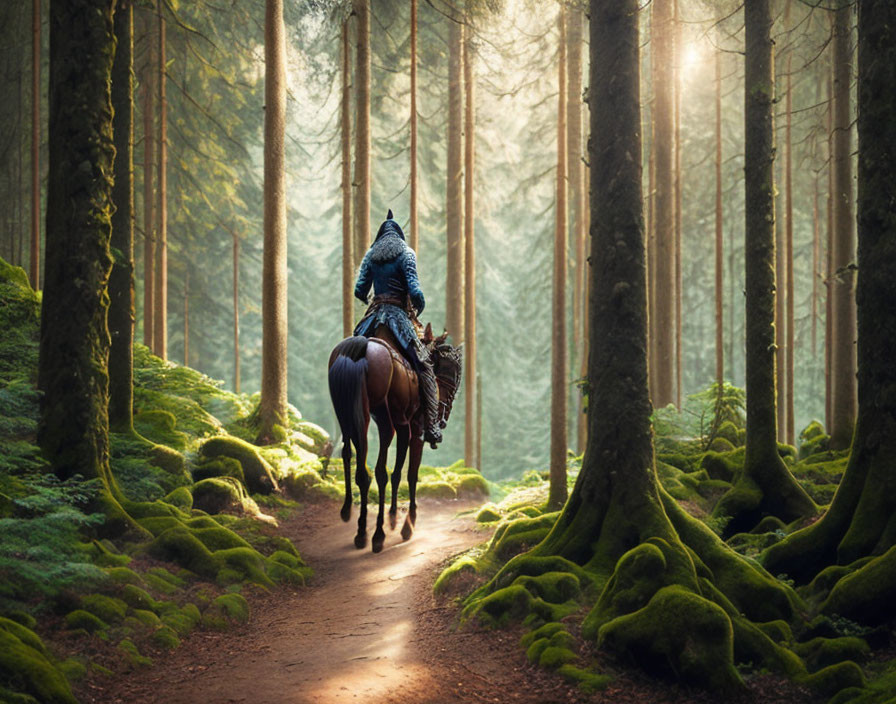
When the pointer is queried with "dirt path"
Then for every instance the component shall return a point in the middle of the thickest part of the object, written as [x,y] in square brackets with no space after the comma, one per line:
[367,629]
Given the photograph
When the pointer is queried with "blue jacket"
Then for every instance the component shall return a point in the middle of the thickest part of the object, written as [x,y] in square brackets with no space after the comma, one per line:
[390,268]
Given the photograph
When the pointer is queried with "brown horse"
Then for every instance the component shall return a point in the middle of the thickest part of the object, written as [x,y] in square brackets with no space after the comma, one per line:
[369,377]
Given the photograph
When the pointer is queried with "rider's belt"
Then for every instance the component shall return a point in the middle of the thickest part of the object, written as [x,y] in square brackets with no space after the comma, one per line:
[383,299]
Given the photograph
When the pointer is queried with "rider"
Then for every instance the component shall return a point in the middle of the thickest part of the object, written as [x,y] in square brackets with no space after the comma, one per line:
[390,266]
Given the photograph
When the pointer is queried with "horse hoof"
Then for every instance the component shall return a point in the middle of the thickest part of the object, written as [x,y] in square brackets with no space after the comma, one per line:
[393,520]
[407,530]
[345,513]
[377,545]
[360,541]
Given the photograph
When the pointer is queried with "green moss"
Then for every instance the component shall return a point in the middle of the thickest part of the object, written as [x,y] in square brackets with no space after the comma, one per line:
[489,513]
[109,609]
[680,634]
[778,631]
[179,545]
[545,632]
[23,633]
[124,575]
[553,587]
[501,606]
[247,562]
[26,668]
[159,584]
[132,654]
[260,476]
[436,490]
[219,467]
[157,525]
[165,637]
[465,565]
[589,682]
[866,595]
[221,494]
[146,618]
[720,444]
[79,618]
[168,460]
[103,554]
[219,538]
[835,678]
[472,486]
[723,465]
[554,656]
[820,652]
[159,426]
[137,598]
[181,498]
[225,610]
[182,620]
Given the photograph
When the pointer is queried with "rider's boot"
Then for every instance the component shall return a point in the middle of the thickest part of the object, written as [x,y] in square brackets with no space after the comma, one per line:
[430,398]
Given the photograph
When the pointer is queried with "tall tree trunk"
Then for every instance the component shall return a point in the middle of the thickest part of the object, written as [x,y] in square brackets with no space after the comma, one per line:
[790,338]
[272,406]
[478,455]
[719,248]
[34,261]
[829,248]
[557,492]
[470,258]
[160,290]
[348,258]
[663,329]
[236,313]
[454,213]
[780,317]
[765,487]
[149,197]
[676,88]
[843,352]
[861,520]
[121,279]
[362,132]
[187,318]
[415,234]
[576,167]
[74,347]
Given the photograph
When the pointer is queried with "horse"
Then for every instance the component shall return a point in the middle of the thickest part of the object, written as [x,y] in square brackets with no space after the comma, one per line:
[369,377]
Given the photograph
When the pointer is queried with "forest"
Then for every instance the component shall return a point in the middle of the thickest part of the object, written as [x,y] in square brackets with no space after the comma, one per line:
[644,449]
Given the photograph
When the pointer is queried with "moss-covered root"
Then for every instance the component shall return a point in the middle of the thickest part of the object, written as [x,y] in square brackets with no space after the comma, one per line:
[866,595]
[677,633]
[25,663]
[762,489]
[260,476]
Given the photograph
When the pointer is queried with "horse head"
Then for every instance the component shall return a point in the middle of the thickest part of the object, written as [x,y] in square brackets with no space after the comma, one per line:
[448,364]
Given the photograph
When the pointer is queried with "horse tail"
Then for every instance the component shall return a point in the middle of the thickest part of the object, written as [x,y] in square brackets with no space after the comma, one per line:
[348,386]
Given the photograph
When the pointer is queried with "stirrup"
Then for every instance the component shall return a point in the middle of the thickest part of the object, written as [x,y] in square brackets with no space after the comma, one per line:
[433,437]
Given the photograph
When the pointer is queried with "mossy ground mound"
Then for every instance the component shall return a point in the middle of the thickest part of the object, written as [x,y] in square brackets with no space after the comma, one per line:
[56,560]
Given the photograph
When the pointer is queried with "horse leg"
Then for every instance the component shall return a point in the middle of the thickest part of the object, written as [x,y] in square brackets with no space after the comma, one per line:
[346,511]
[401,451]
[362,479]
[413,468]
[386,431]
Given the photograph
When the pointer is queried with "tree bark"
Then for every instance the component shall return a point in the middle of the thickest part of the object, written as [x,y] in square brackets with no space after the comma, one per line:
[348,258]
[272,406]
[34,261]
[74,346]
[149,197]
[160,290]
[470,258]
[676,88]
[557,492]
[789,436]
[861,520]
[843,351]
[415,234]
[663,314]
[362,132]
[454,255]
[121,279]
[576,169]
[765,487]
[236,314]
[719,240]
[187,318]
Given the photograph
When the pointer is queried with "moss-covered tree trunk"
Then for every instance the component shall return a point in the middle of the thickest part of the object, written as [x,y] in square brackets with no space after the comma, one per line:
[160,287]
[73,431]
[862,518]
[149,198]
[272,406]
[454,205]
[843,319]
[719,212]
[121,280]
[765,487]
[34,259]
[559,383]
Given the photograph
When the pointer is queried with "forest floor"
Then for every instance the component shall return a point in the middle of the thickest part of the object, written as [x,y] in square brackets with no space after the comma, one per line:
[368,628]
